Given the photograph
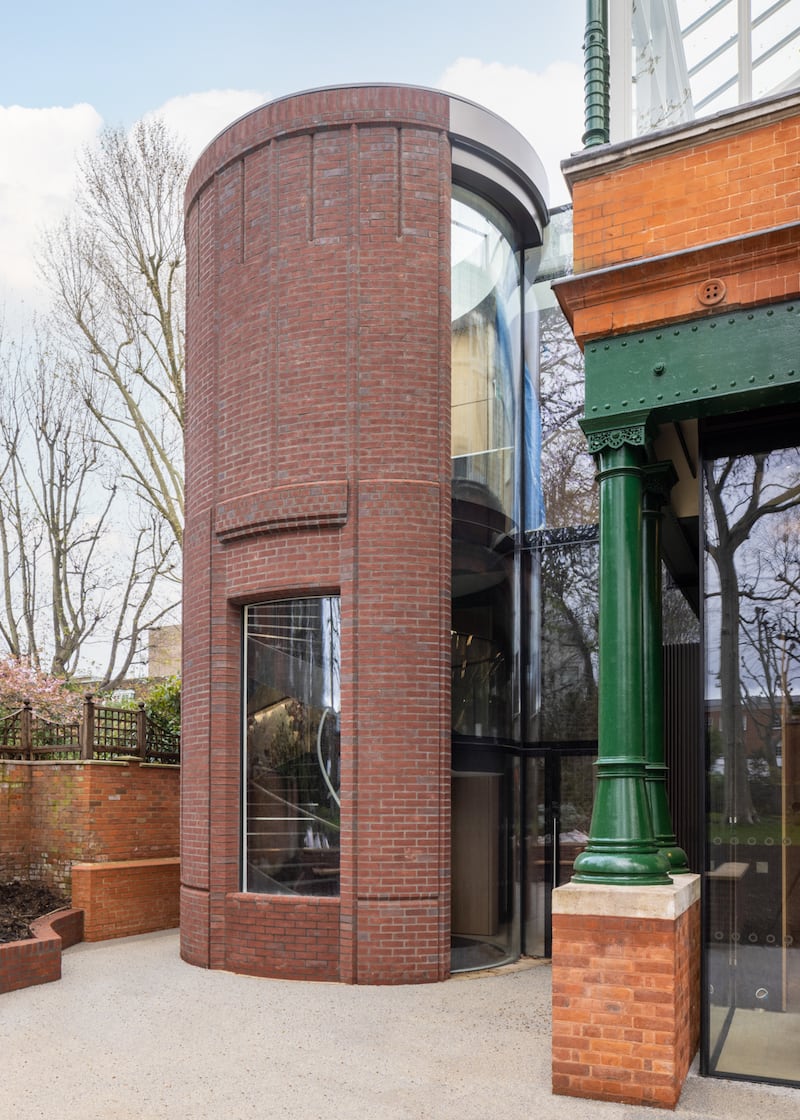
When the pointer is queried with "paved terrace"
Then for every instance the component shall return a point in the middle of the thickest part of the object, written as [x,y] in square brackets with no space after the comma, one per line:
[133,1033]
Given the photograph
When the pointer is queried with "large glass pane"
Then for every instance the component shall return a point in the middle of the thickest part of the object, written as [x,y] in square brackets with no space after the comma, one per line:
[486,379]
[752,598]
[486,362]
[292,705]
[485,885]
[677,60]
[559,794]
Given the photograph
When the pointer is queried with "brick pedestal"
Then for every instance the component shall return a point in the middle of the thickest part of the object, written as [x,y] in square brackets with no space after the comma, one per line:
[626,990]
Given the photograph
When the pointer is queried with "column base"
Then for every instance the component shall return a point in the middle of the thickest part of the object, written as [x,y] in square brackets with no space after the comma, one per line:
[622,865]
[626,990]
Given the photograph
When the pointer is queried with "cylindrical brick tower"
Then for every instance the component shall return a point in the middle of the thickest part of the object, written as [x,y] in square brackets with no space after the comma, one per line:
[315,816]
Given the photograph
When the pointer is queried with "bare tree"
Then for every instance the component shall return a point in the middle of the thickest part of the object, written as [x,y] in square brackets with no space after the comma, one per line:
[115,269]
[67,578]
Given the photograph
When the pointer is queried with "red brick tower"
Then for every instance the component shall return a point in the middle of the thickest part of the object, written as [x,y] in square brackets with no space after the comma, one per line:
[318,463]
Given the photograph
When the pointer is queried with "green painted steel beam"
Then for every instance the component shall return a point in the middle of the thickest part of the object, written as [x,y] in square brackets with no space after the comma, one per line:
[735,361]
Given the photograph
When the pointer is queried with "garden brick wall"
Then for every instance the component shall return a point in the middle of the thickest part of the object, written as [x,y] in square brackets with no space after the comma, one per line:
[37,960]
[121,898]
[318,386]
[54,813]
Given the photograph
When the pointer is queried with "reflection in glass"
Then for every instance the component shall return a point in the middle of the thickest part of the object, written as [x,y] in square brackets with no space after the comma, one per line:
[486,417]
[569,565]
[559,794]
[486,378]
[292,706]
[752,597]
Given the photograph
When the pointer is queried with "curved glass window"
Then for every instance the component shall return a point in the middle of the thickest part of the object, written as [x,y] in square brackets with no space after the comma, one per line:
[486,364]
[291,734]
[486,361]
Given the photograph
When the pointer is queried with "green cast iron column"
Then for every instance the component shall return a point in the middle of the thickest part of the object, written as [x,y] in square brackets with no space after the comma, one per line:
[622,847]
[659,478]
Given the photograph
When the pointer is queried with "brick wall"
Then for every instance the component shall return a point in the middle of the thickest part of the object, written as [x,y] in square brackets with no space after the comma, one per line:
[15,820]
[121,898]
[37,960]
[54,813]
[318,367]
[658,219]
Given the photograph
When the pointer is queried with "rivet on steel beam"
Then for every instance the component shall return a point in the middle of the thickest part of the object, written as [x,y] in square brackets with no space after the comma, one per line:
[659,369]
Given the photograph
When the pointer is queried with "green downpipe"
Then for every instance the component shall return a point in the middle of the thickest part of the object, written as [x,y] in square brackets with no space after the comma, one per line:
[596,70]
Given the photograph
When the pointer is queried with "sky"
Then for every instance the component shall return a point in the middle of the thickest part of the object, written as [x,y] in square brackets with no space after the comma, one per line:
[68,69]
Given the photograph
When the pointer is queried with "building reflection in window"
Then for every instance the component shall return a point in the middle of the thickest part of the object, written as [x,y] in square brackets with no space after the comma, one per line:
[292,706]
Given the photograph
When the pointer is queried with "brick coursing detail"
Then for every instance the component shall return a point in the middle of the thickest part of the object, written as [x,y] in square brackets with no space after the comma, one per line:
[626,1006]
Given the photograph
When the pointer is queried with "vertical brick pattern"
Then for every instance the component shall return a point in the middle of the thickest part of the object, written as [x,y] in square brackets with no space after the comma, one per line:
[626,1006]
[318,385]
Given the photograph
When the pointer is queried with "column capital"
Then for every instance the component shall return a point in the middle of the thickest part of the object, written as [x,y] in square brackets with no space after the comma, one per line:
[607,433]
[657,482]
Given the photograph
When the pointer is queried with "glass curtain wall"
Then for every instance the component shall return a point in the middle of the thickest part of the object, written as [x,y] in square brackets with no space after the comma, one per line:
[291,747]
[524,603]
[563,552]
[752,608]
[486,355]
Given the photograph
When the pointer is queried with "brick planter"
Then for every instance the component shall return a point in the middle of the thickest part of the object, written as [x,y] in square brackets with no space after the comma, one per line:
[122,898]
[37,960]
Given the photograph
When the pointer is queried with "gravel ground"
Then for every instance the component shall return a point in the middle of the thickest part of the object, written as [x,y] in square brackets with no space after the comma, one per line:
[133,1033]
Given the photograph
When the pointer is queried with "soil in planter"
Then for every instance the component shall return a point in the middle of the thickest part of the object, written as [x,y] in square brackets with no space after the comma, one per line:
[21,903]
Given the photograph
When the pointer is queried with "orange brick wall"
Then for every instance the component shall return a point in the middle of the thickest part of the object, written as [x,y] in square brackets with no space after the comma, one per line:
[15,820]
[679,197]
[655,222]
[626,1006]
[121,898]
[37,960]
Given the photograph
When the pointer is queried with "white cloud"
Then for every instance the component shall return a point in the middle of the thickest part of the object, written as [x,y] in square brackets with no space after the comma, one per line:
[547,108]
[198,117]
[39,147]
[39,167]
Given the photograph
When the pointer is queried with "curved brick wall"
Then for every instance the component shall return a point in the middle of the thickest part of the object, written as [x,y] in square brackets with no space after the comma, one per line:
[318,381]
